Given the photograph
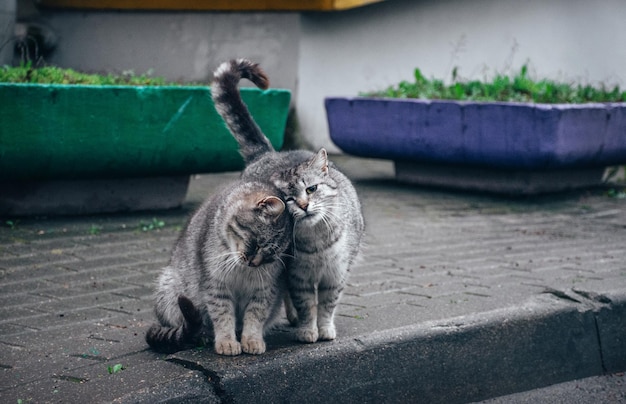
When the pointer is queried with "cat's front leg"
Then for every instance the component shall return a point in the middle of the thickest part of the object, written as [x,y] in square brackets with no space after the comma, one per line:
[304,301]
[254,319]
[223,318]
[328,298]
[290,310]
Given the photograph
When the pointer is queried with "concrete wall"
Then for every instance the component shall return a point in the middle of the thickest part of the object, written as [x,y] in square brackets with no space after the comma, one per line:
[7,21]
[184,46]
[373,47]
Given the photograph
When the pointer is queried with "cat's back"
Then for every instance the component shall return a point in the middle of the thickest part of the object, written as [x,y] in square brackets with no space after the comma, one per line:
[199,226]
[267,164]
[205,224]
[349,200]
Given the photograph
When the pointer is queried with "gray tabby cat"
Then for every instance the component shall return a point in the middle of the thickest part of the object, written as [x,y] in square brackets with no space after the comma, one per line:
[328,220]
[226,272]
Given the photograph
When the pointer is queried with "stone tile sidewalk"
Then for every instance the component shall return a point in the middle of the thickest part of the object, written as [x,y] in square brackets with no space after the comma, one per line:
[458,297]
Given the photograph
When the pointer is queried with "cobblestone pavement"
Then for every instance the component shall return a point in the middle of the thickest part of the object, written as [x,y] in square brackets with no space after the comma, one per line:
[75,292]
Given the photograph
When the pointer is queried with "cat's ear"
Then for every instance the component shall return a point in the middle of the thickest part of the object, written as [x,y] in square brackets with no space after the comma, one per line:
[272,205]
[319,162]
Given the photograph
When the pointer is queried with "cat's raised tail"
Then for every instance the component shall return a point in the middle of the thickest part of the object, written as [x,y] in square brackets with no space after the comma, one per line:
[172,339]
[228,103]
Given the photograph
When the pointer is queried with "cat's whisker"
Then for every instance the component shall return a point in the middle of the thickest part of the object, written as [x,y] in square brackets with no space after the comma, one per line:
[228,267]
[285,254]
[226,254]
[279,259]
[330,229]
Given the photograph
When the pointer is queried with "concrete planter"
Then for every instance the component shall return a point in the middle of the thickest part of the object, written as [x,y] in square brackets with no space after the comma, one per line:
[73,136]
[501,147]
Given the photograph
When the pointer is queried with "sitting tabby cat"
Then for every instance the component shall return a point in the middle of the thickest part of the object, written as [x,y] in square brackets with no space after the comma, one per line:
[328,220]
[226,271]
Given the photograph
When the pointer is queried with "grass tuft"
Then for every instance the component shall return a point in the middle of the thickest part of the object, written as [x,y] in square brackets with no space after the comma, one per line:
[25,73]
[517,88]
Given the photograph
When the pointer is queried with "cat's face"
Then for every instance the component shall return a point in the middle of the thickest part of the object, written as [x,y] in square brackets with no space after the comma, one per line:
[259,231]
[308,190]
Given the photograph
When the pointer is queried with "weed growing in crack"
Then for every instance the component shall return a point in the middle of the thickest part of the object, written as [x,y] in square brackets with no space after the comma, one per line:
[155,224]
[115,368]
[95,229]
[12,224]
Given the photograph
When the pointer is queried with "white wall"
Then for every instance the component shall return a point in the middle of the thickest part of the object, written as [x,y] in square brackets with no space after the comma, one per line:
[184,46]
[373,47]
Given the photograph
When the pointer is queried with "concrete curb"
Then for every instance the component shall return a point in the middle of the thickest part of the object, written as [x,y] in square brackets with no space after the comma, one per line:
[553,338]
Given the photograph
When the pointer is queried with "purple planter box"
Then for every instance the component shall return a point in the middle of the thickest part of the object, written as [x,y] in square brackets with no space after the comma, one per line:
[514,138]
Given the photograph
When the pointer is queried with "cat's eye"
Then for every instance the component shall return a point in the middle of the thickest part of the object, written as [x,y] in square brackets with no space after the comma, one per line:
[311,189]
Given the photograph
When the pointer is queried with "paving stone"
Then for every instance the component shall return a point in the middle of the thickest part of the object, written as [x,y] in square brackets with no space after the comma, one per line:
[76,293]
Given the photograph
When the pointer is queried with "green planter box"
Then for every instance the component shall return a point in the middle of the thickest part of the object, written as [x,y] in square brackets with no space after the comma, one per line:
[75,149]
[69,131]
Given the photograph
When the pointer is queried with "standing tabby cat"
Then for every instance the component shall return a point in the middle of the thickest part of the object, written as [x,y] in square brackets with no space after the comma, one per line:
[226,271]
[328,220]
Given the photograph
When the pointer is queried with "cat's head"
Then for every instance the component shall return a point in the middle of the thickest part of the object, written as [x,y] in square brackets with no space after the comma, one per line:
[308,189]
[260,229]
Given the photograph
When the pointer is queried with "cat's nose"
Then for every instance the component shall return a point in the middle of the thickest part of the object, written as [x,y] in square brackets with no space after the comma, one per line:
[255,261]
[302,204]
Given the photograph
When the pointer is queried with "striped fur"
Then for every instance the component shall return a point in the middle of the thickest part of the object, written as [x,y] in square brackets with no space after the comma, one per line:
[172,339]
[227,269]
[329,224]
[231,107]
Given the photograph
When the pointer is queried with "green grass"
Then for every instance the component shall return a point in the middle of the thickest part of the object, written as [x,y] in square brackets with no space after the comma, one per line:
[56,75]
[155,224]
[95,229]
[115,368]
[517,88]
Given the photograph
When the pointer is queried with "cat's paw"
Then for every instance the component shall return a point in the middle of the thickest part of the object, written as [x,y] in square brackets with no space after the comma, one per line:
[253,346]
[227,347]
[306,334]
[327,333]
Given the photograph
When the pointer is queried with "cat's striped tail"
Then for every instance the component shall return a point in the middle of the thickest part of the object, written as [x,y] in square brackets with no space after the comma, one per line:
[172,339]
[228,103]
